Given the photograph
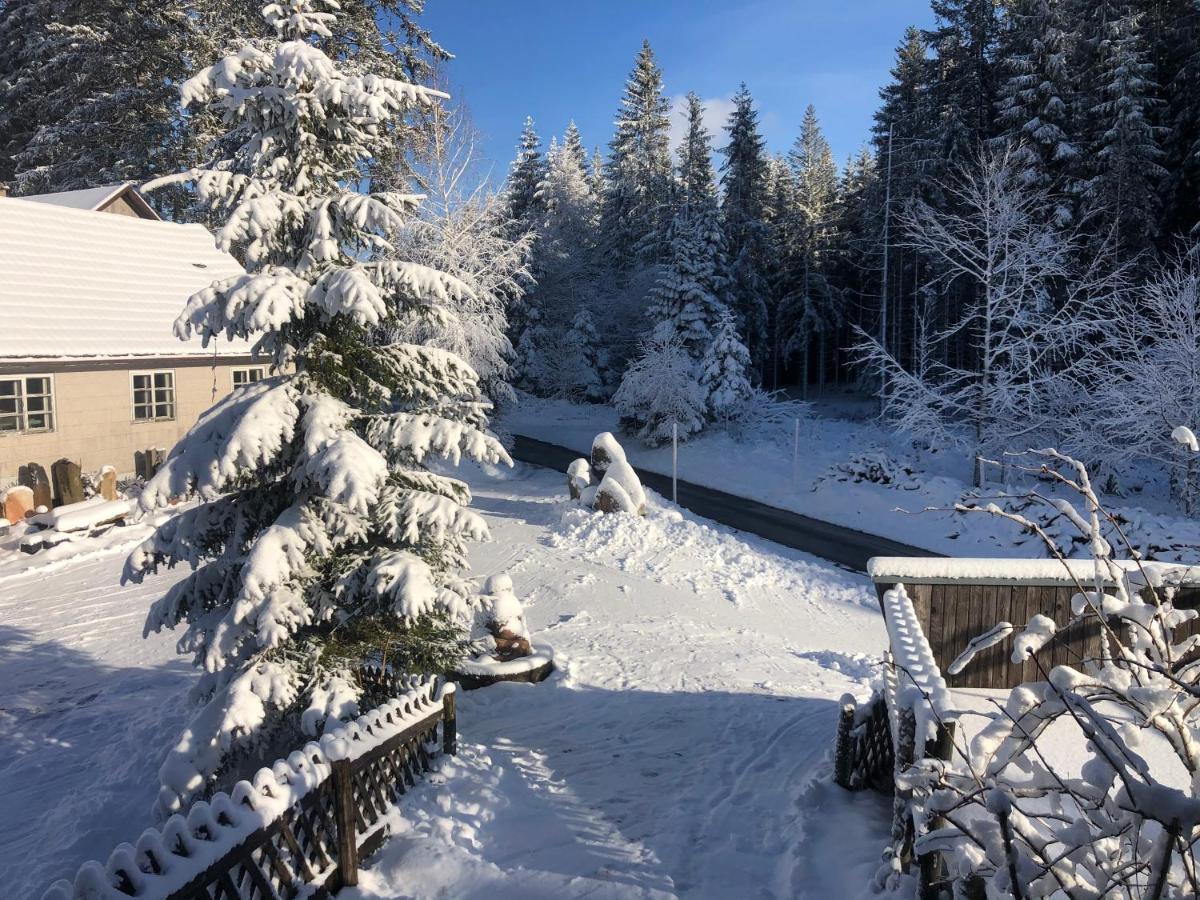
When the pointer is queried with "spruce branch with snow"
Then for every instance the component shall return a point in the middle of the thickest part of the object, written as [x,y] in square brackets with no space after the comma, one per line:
[320,519]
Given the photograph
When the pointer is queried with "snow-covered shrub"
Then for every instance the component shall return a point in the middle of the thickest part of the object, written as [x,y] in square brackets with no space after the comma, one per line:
[1127,824]
[875,467]
[320,521]
[660,389]
[1141,374]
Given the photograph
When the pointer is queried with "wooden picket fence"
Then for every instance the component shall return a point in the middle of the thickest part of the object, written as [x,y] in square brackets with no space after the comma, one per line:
[315,846]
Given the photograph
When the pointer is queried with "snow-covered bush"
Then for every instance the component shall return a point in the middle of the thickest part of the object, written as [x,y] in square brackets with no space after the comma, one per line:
[319,516]
[1127,824]
[660,389]
[876,467]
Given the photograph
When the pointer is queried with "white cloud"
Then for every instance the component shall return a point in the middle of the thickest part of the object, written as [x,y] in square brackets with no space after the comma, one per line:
[716,114]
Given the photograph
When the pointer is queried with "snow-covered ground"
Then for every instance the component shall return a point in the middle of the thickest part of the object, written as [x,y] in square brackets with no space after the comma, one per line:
[681,749]
[824,480]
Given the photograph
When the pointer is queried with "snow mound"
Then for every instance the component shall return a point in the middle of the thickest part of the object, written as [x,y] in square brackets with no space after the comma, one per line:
[678,550]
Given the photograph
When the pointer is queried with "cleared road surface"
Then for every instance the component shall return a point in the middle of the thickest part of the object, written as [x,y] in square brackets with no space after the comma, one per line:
[837,543]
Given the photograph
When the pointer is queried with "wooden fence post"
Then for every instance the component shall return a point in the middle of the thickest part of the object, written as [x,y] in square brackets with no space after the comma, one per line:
[449,723]
[932,867]
[343,811]
[843,754]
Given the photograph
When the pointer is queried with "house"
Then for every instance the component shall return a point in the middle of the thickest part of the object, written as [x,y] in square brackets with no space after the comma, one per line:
[90,370]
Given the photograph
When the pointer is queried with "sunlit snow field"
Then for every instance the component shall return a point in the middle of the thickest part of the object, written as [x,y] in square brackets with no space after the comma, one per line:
[680,750]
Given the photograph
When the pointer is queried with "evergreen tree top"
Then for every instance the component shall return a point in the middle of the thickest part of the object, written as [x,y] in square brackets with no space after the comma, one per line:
[697,183]
[745,160]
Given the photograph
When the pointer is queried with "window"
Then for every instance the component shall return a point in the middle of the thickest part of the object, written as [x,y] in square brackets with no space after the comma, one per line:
[26,404]
[247,375]
[153,396]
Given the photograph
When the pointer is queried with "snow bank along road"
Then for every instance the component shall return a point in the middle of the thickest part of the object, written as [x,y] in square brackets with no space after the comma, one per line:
[680,751]
[846,546]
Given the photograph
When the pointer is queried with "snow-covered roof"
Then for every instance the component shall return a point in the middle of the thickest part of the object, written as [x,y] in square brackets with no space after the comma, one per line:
[77,284]
[918,570]
[92,198]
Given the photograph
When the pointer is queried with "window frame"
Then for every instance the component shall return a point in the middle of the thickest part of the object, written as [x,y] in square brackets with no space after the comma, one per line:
[22,414]
[153,403]
[233,371]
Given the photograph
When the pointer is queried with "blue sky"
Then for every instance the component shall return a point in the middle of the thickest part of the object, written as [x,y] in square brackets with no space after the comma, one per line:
[563,59]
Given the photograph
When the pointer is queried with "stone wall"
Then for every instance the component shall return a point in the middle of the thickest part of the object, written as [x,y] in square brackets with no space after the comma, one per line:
[93,408]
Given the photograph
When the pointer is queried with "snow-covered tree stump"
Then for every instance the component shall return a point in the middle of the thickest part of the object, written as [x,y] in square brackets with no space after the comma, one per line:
[505,652]
[579,476]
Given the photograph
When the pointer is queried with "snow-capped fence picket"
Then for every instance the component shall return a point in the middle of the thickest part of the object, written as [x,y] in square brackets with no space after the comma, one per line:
[909,720]
[302,825]
[958,600]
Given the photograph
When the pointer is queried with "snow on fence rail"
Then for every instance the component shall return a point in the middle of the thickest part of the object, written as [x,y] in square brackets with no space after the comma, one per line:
[298,827]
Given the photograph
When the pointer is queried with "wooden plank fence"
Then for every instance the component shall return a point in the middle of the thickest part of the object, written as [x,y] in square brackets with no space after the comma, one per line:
[313,845]
[954,608]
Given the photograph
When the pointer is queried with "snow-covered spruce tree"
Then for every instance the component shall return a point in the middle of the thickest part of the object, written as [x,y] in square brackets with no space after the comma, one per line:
[963,96]
[809,311]
[527,171]
[660,388]
[637,201]
[573,146]
[725,372]
[322,537]
[88,90]
[692,288]
[1124,190]
[579,366]
[743,177]
[1035,103]
[696,184]
[564,264]
[463,229]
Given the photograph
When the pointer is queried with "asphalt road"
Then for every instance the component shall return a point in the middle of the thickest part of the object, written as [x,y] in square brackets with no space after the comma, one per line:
[836,543]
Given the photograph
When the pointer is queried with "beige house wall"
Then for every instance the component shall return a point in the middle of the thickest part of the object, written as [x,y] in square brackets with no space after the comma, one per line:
[93,422]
